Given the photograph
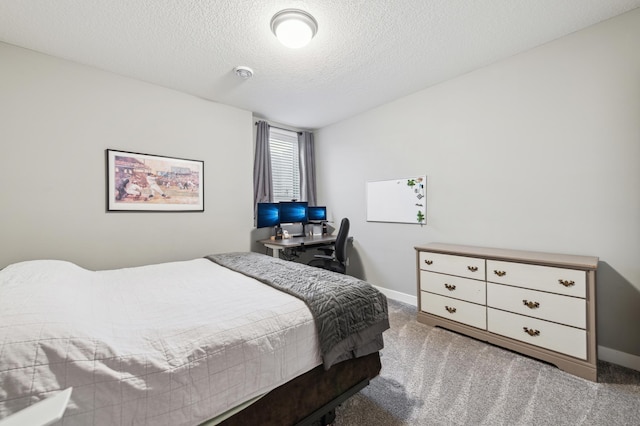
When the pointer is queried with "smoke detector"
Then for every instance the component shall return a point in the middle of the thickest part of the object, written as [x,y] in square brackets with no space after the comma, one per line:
[243,72]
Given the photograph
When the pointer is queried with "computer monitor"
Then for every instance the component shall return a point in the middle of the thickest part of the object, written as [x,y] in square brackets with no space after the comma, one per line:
[293,212]
[317,213]
[268,215]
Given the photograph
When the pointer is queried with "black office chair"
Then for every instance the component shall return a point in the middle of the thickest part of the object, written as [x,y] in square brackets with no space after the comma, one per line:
[335,257]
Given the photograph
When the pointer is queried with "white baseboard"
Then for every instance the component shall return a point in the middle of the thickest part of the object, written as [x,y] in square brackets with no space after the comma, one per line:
[400,297]
[605,354]
[620,358]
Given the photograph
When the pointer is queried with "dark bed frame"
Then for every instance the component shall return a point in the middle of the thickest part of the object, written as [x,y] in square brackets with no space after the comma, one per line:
[310,399]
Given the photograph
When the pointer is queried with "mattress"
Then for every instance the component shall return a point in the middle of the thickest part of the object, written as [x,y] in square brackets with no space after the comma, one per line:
[170,344]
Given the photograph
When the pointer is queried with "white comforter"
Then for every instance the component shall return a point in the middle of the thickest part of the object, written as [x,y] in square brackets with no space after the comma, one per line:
[170,344]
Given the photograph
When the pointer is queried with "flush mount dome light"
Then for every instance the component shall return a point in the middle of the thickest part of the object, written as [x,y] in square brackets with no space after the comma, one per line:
[294,28]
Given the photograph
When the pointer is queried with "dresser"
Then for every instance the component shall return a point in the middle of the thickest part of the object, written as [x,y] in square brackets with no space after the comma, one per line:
[539,304]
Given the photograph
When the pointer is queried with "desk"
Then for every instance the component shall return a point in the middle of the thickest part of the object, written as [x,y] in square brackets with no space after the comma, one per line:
[314,240]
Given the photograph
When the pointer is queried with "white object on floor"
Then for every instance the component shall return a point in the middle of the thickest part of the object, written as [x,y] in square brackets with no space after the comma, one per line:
[41,413]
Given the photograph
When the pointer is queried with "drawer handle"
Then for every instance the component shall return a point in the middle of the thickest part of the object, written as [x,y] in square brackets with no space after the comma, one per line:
[531,332]
[428,262]
[472,268]
[500,273]
[567,283]
[449,287]
[450,309]
[531,305]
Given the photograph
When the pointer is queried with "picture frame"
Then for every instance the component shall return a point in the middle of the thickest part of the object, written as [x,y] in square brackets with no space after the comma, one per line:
[153,183]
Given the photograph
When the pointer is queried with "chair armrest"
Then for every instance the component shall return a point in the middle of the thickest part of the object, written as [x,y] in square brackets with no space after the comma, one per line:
[327,250]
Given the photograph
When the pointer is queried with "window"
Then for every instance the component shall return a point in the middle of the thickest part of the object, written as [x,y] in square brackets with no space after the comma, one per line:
[285,166]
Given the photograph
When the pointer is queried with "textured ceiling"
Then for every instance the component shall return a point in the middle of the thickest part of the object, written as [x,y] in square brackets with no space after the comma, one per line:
[366,52]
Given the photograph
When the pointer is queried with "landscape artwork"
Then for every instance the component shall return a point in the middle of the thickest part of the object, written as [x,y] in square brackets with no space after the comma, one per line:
[143,182]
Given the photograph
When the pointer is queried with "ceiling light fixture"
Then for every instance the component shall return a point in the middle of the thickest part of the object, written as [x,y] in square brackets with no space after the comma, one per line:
[243,72]
[294,28]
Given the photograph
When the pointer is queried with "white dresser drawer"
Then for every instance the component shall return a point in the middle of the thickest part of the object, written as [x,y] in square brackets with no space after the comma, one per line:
[547,306]
[462,266]
[556,337]
[571,282]
[452,286]
[540,304]
[455,310]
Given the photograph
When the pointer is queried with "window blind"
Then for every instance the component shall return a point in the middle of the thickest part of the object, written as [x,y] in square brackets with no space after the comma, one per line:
[285,166]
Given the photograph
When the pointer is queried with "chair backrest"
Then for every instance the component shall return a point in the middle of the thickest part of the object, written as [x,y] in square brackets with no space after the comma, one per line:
[341,241]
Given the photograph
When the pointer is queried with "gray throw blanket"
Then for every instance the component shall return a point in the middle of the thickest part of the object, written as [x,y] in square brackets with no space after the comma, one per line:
[350,314]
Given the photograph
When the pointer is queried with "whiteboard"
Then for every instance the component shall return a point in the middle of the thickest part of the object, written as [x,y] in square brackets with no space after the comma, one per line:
[401,200]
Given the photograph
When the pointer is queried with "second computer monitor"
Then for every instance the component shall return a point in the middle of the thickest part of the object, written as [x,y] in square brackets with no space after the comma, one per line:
[317,213]
[294,212]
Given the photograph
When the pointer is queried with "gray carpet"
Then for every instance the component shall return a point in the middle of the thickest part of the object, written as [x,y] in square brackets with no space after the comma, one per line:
[431,376]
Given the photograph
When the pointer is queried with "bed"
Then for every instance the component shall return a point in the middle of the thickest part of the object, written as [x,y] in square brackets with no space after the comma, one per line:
[226,339]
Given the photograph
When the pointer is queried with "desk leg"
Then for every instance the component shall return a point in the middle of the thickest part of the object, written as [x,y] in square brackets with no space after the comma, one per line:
[274,249]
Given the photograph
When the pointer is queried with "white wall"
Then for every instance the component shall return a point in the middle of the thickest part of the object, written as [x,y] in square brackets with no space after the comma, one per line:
[537,152]
[58,117]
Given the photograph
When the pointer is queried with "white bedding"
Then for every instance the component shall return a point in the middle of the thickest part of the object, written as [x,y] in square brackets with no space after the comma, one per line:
[170,344]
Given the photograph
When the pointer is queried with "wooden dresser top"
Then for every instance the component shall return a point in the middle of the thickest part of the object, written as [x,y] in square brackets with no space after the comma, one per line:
[550,259]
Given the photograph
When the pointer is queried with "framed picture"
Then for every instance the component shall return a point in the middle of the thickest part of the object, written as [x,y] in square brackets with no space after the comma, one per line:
[144,182]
